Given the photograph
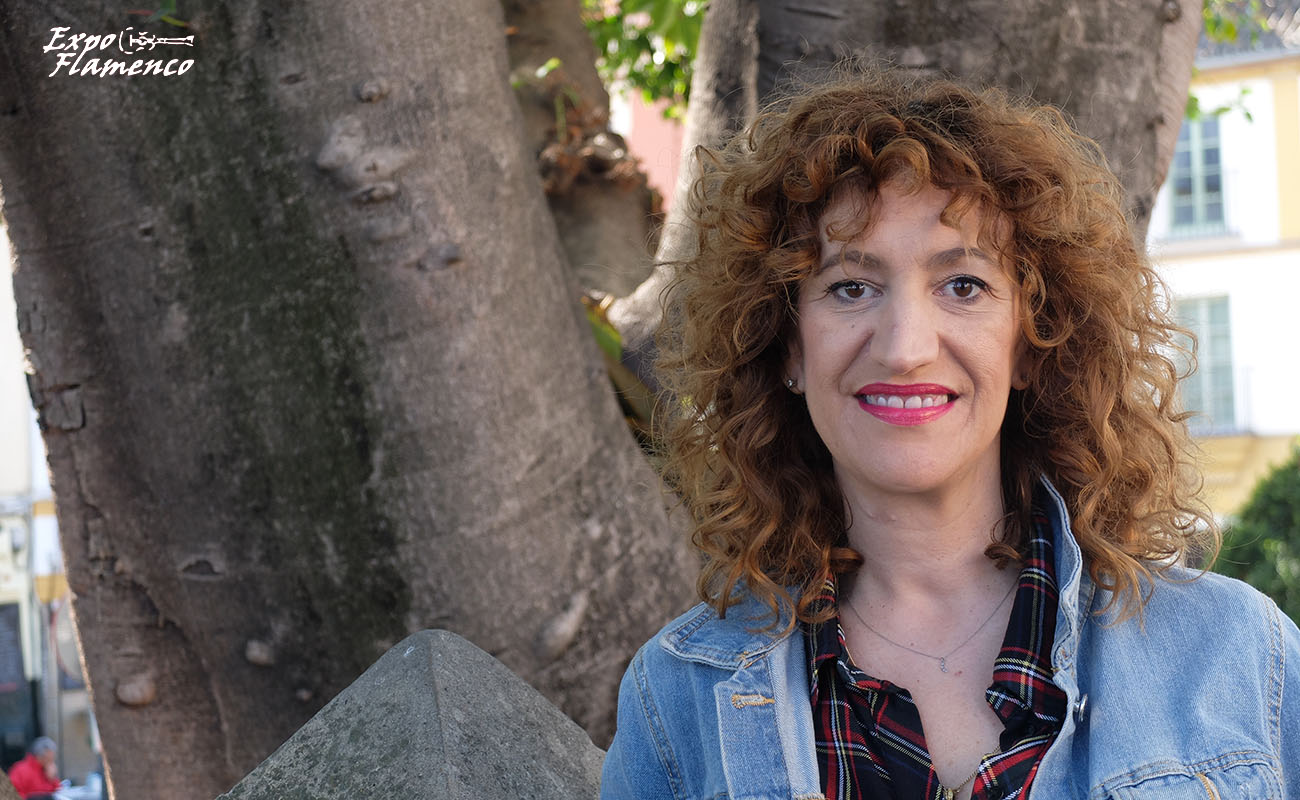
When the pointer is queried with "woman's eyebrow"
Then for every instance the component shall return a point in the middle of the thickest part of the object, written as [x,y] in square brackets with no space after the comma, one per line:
[943,258]
[953,255]
[865,260]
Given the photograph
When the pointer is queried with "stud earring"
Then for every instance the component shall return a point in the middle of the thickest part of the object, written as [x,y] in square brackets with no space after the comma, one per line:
[792,385]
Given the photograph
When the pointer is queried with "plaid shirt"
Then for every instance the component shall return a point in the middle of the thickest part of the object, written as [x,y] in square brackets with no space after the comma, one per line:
[868,732]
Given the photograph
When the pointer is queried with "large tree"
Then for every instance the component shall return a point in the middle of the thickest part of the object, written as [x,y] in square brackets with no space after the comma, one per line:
[312,375]
[307,354]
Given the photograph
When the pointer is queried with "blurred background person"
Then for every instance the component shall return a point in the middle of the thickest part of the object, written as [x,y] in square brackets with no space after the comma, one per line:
[37,775]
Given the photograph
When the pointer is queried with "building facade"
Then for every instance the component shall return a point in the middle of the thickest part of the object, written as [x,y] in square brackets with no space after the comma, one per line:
[1225,235]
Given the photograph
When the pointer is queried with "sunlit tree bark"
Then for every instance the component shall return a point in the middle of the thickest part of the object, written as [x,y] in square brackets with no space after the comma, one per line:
[312,375]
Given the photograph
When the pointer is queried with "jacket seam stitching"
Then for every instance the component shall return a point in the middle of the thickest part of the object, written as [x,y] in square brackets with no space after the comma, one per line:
[663,748]
[1276,680]
[674,642]
[689,626]
[767,663]
[1164,769]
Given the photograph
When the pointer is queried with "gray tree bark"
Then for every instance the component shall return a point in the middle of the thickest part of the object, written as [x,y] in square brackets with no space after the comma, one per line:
[1120,69]
[312,376]
[603,208]
[724,97]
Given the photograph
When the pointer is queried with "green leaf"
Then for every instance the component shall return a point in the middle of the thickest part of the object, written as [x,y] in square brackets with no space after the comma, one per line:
[548,67]
[654,58]
[1226,20]
[607,336]
[663,15]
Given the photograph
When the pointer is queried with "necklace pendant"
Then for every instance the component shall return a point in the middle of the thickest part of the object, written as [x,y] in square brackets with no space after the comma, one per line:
[948,794]
[943,667]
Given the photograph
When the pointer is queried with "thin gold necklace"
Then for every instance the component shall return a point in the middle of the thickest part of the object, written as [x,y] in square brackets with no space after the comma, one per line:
[950,793]
[943,659]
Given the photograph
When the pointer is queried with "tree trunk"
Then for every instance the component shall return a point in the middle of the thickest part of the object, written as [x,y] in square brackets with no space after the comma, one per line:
[604,210]
[1120,69]
[312,376]
[724,97]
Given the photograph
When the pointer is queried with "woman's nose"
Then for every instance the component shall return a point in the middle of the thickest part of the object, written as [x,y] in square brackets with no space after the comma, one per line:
[907,336]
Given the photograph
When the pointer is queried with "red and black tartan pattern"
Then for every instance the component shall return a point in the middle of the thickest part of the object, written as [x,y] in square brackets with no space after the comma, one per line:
[868,733]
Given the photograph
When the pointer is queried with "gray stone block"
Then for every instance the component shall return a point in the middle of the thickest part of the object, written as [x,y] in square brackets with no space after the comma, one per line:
[434,717]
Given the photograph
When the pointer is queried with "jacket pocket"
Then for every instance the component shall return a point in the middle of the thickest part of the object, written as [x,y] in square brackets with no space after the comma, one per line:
[1239,781]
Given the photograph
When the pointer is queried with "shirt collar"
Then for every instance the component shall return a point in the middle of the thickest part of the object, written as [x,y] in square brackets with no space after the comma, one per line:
[1022,684]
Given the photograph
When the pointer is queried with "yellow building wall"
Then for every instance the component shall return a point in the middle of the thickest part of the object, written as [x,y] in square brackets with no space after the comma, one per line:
[1232,465]
[1283,75]
[1286,119]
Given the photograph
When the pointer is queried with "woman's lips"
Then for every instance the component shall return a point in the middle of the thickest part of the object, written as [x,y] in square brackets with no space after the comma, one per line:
[906,404]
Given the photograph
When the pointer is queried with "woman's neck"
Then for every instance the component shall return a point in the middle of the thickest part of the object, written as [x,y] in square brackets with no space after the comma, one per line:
[927,545]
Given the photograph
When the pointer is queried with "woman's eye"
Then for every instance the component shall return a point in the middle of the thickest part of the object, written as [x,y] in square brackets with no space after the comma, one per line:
[965,287]
[849,290]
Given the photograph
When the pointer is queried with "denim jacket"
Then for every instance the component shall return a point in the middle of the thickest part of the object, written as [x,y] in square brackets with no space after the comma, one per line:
[1198,699]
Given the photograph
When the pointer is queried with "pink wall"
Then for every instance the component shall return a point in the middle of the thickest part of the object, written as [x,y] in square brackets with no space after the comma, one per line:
[657,142]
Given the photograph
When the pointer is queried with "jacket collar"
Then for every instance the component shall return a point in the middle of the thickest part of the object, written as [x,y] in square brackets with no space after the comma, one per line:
[1074,585]
[748,632]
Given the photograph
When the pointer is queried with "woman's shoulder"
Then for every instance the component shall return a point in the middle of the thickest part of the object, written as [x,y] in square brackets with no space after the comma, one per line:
[1181,592]
[1199,615]
[1204,647]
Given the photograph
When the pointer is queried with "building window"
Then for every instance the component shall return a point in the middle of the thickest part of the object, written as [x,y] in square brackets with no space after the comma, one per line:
[1196,178]
[1209,391]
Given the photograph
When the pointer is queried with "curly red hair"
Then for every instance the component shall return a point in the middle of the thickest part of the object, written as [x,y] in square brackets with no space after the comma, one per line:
[1098,417]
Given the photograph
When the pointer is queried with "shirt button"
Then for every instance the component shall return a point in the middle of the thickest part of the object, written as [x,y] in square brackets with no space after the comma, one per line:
[1081,708]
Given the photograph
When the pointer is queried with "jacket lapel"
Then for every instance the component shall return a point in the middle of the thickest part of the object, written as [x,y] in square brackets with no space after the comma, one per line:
[765,725]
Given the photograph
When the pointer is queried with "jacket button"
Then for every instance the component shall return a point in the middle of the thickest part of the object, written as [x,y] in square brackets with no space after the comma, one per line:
[1081,708]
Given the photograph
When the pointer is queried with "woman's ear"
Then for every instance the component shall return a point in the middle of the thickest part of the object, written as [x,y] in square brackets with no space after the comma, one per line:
[1023,366]
[794,366]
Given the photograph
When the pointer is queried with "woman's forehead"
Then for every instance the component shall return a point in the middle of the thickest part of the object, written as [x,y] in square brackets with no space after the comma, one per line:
[853,210]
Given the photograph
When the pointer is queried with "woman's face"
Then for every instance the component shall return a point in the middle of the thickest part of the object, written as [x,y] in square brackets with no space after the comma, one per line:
[907,347]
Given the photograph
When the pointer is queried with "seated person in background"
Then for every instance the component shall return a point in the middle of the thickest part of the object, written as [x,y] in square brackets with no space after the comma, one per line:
[36,775]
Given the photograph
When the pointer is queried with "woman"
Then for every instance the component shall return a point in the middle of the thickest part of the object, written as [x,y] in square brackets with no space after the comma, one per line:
[929,442]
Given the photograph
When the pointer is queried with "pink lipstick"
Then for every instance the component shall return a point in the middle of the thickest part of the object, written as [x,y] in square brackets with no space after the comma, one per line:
[906,404]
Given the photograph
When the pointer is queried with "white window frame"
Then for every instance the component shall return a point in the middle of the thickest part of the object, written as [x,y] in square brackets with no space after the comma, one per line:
[1196,179]
[1210,391]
